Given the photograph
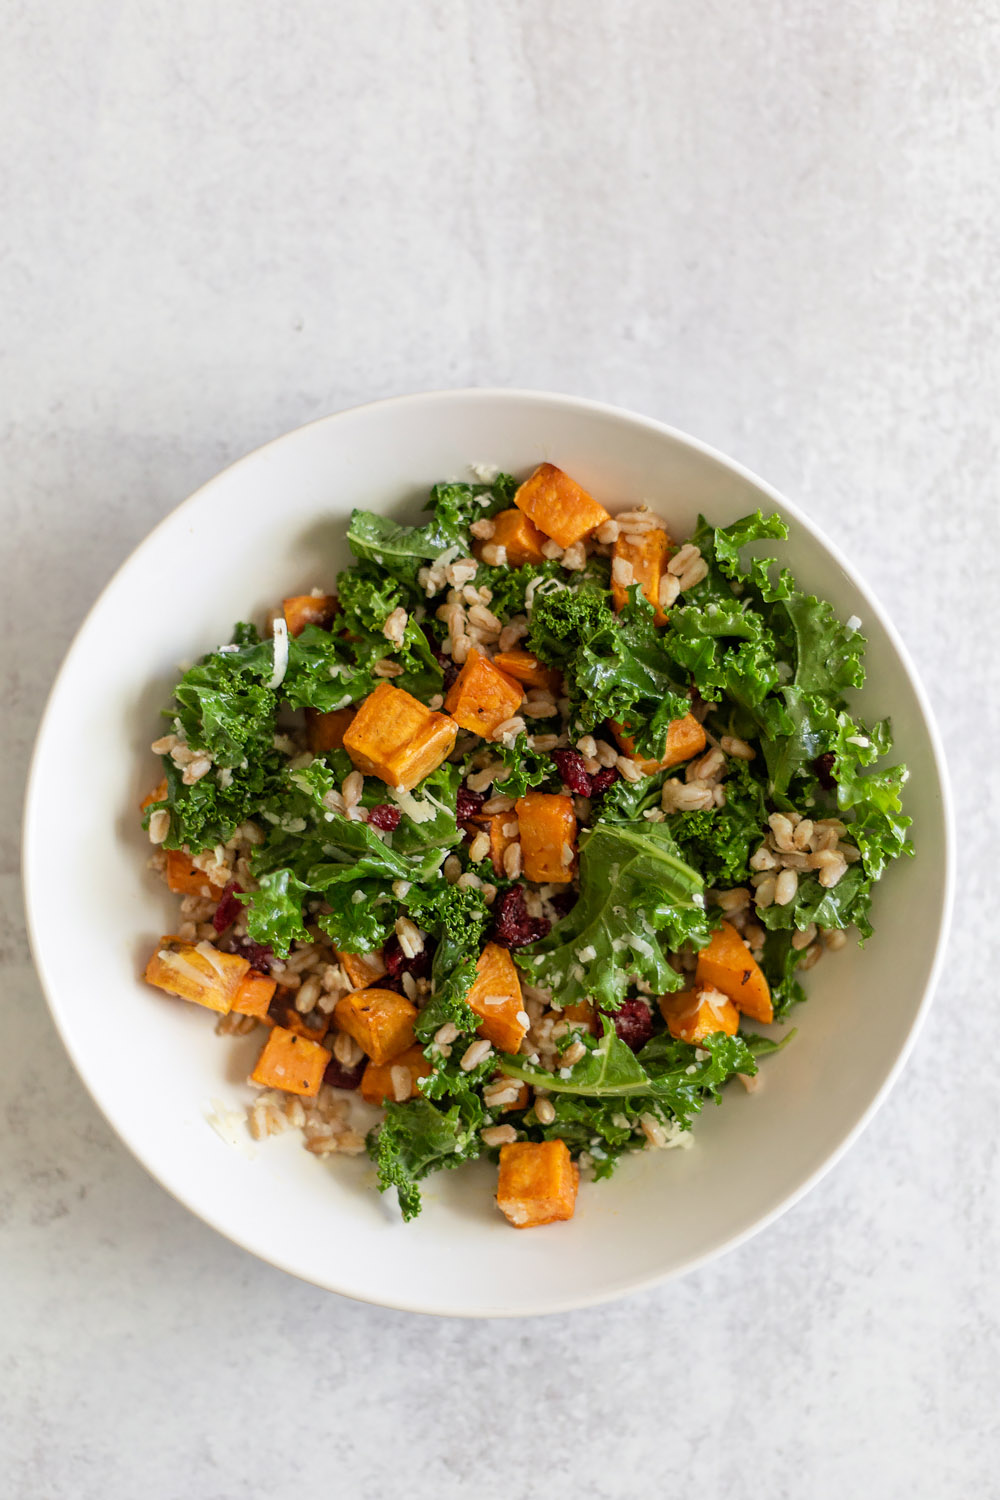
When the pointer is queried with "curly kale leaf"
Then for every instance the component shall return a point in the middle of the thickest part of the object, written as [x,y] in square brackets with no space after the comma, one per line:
[418,1138]
[401,551]
[615,666]
[719,842]
[638,902]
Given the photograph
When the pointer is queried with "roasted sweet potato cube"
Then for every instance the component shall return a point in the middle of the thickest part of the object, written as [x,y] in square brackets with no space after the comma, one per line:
[547,824]
[184,879]
[291,1062]
[496,996]
[481,697]
[380,1021]
[309,609]
[395,1080]
[559,506]
[692,1015]
[728,965]
[537,1183]
[685,739]
[255,994]
[197,972]
[326,731]
[394,737]
[500,841]
[362,969]
[525,667]
[158,794]
[520,538]
[647,556]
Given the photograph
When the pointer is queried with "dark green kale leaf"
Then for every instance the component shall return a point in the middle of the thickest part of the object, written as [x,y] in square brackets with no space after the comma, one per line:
[457,920]
[525,767]
[401,551]
[720,841]
[417,1138]
[676,1076]
[638,902]
[615,666]
[274,911]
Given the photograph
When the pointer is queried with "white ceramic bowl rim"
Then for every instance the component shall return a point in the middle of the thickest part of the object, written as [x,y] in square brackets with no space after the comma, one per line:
[34,877]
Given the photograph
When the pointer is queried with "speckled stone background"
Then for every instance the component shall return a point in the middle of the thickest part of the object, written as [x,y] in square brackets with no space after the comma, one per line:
[775,225]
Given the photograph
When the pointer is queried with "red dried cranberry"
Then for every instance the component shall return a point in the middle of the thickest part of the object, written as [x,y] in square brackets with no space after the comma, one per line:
[468,804]
[228,908]
[385,817]
[448,667]
[563,902]
[397,963]
[633,1023]
[602,779]
[573,771]
[257,955]
[823,766]
[341,1077]
[392,982]
[512,926]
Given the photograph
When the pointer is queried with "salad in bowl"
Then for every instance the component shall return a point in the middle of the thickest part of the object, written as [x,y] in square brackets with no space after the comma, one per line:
[509,839]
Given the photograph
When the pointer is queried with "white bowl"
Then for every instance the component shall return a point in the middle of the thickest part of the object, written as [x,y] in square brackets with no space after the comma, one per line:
[274,525]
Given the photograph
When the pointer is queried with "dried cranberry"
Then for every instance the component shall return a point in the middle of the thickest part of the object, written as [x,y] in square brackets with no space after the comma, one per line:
[573,771]
[258,955]
[228,908]
[823,766]
[392,982]
[512,926]
[602,779]
[448,667]
[397,963]
[468,804]
[385,817]
[563,902]
[633,1023]
[341,1077]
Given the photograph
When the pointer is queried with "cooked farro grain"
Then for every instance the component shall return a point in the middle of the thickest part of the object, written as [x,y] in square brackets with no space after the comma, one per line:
[669,589]
[479,848]
[629,769]
[509,730]
[474,1055]
[544,1111]
[785,887]
[498,1135]
[683,558]
[159,826]
[498,804]
[764,893]
[622,572]
[574,1052]
[512,861]
[732,745]
[411,939]
[482,529]
[468,882]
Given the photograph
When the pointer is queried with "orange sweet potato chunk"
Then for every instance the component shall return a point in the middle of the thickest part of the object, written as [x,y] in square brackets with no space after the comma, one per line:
[254,995]
[685,739]
[291,1062]
[380,1021]
[548,829]
[158,794]
[496,997]
[481,697]
[326,731]
[185,880]
[309,609]
[647,556]
[394,737]
[197,972]
[520,537]
[727,964]
[395,1080]
[537,1183]
[692,1015]
[362,969]
[525,667]
[559,506]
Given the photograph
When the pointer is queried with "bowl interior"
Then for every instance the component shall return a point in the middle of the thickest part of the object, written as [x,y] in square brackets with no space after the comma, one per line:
[272,525]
